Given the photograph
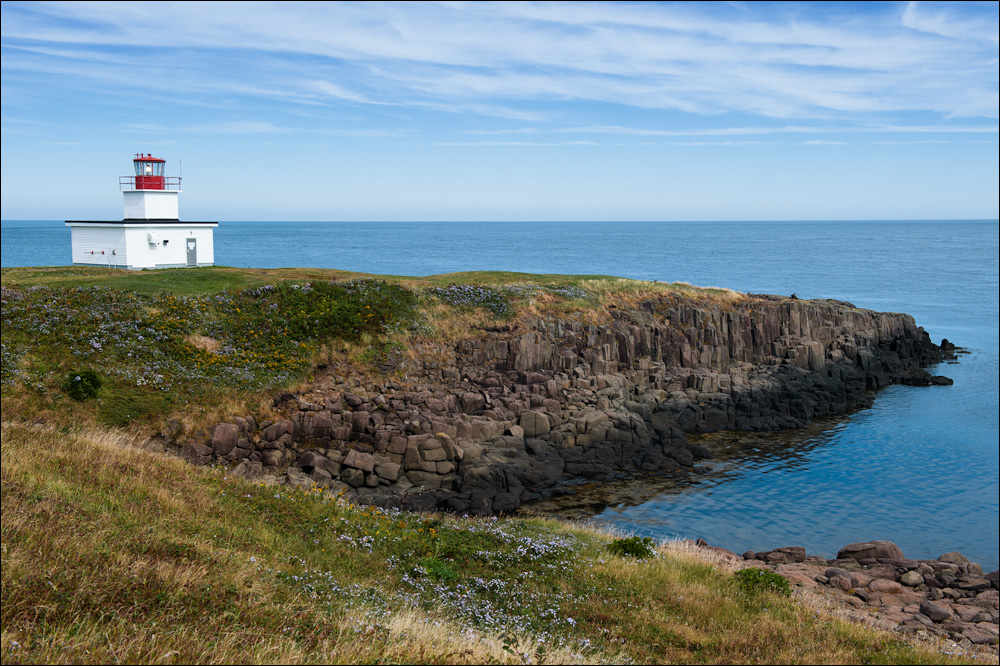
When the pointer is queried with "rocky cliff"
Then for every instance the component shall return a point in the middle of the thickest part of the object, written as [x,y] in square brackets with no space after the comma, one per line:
[507,414]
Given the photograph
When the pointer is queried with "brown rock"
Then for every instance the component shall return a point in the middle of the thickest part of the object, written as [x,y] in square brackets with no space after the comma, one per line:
[534,423]
[972,583]
[841,583]
[388,471]
[473,403]
[196,453]
[980,637]
[955,557]
[224,438]
[362,461]
[792,553]
[965,613]
[870,549]
[886,586]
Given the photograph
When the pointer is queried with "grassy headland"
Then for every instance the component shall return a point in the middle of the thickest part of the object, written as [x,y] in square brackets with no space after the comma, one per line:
[115,553]
[200,344]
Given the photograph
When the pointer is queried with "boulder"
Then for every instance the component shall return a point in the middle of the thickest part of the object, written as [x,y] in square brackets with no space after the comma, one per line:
[248,470]
[353,477]
[535,423]
[196,453]
[388,470]
[934,611]
[473,403]
[885,586]
[224,438]
[911,579]
[954,557]
[870,549]
[792,553]
[358,460]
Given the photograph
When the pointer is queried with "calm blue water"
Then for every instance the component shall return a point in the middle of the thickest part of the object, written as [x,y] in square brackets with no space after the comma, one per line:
[920,468]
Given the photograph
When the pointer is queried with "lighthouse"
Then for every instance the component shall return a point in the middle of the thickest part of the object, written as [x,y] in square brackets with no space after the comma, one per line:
[151,233]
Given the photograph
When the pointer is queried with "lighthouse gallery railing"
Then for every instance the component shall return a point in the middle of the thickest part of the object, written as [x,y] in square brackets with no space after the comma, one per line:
[149,183]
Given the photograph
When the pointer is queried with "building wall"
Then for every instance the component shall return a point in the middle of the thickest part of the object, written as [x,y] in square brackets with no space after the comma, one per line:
[151,204]
[169,247]
[89,242]
[129,246]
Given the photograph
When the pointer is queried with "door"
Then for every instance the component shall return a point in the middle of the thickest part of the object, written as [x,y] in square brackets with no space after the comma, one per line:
[192,249]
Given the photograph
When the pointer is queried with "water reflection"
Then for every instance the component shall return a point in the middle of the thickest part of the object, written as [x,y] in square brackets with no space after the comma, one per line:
[734,456]
[912,469]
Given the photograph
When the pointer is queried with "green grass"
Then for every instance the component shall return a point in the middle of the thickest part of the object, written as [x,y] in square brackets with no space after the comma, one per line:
[163,341]
[115,554]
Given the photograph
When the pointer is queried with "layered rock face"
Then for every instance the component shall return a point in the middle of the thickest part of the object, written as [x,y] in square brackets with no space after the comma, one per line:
[506,415]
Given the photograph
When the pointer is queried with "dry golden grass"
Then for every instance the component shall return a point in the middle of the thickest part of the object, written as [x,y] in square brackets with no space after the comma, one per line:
[624,293]
[112,553]
[203,342]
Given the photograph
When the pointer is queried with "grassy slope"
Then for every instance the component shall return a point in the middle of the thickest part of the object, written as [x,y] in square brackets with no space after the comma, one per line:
[111,553]
[116,554]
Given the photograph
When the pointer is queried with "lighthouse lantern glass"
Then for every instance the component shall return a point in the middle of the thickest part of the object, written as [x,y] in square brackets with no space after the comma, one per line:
[149,173]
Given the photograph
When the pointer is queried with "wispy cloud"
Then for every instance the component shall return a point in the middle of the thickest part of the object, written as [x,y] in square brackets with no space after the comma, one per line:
[784,60]
[786,129]
[236,127]
[519,143]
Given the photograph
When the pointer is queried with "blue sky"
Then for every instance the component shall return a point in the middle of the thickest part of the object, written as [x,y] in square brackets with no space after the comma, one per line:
[495,111]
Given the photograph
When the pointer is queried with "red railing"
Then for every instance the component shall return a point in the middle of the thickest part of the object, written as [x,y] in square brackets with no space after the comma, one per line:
[149,183]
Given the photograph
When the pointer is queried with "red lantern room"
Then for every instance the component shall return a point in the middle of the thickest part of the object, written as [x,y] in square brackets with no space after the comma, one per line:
[148,172]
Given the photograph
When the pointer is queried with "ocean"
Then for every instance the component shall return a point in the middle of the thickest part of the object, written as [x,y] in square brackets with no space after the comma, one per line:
[920,467]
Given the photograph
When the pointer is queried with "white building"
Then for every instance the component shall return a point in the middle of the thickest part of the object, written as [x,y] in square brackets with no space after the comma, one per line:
[151,235]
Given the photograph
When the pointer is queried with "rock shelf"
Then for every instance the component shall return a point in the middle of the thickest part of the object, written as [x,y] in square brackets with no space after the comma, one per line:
[507,415]
[949,598]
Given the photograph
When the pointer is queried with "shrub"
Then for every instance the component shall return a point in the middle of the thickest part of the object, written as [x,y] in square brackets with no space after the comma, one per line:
[638,547]
[756,580]
[82,385]
[469,296]
[436,569]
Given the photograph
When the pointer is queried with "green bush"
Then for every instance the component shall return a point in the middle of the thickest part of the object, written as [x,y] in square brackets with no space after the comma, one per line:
[756,580]
[435,569]
[82,385]
[639,547]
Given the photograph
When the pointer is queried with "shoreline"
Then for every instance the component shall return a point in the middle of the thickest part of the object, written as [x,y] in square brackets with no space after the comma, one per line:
[509,414]
[874,583]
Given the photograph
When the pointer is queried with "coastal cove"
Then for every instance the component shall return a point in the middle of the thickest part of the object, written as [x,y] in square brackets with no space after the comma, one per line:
[918,467]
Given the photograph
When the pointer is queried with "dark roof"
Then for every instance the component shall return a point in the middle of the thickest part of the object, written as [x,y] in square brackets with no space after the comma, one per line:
[135,220]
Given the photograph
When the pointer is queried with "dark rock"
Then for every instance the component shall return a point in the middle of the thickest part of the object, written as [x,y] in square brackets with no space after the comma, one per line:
[248,470]
[353,477]
[934,611]
[972,583]
[196,453]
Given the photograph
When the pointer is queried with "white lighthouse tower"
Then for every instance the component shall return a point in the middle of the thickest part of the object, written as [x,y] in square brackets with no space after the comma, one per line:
[151,234]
